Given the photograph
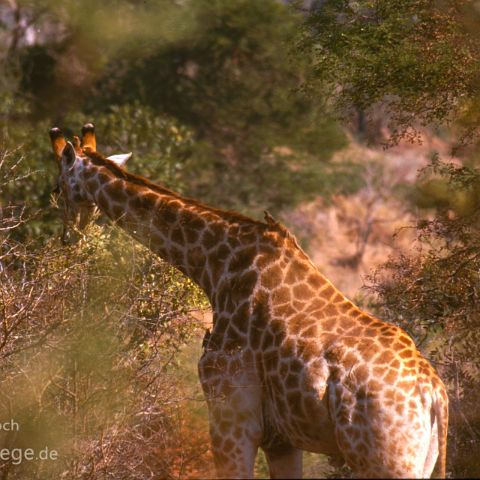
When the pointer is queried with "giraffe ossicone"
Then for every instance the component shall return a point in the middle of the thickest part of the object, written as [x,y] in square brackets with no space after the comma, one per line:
[290,364]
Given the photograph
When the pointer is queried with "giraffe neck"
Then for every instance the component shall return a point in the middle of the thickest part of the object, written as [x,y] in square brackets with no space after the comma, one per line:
[196,239]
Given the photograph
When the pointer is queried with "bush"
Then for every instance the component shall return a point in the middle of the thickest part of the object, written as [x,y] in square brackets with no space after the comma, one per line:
[88,339]
[434,294]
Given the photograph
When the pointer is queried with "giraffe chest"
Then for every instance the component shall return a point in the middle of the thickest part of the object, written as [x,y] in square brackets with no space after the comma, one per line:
[288,403]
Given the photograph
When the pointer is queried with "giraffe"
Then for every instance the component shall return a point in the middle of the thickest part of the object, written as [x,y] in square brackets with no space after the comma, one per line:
[290,364]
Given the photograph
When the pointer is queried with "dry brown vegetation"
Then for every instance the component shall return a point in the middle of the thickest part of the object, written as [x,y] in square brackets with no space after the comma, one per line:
[350,235]
[89,335]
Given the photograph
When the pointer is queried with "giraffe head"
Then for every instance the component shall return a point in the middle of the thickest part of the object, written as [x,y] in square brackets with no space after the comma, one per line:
[72,158]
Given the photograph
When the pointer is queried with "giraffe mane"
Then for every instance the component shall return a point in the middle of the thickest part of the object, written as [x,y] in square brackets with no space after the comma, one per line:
[100,160]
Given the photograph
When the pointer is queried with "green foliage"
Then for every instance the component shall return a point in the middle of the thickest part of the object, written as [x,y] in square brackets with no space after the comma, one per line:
[447,188]
[206,95]
[161,146]
[88,344]
[232,81]
[418,57]
[277,181]
[231,78]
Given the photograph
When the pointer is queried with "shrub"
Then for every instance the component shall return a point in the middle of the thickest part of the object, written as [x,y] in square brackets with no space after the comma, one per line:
[88,340]
[434,293]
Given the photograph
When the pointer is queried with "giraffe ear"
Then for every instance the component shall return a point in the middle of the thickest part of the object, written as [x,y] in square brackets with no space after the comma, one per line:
[58,142]
[68,154]
[120,159]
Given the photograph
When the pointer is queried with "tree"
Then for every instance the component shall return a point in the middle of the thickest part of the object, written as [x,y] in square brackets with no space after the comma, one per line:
[232,80]
[224,71]
[418,58]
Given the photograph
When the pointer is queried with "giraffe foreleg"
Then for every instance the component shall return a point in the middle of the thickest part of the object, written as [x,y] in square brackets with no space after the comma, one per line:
[284,461]
[234,444]
[234,405]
